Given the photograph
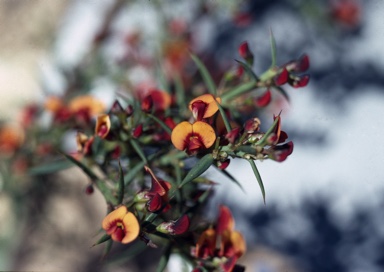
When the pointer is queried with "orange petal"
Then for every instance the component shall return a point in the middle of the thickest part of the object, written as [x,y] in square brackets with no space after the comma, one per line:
[131,228]
[94,105]
[180,133]
[209,99]
[161,100]
[53,104]
[110,220]
[103,125]
[206,133]
[238,243]
[206,244]
[225,220]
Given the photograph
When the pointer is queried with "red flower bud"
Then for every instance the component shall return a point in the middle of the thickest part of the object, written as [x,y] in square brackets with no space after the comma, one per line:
[177,227]
[137,131]
[245,53]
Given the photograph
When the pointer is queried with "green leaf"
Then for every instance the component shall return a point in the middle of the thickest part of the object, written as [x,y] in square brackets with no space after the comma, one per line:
[103,239]
[82,166]
[133,172]
[232,178]
[125,255]
[200,167]
[248,70]
[258,177]
[237,91]
[224,116]
[107,248]
[161,123]
[205,74]
[50,168]
[138,150]
[164,259]
[180,93]
[273,48]
[266,135]
[121,185]
[282,91]
[109,197]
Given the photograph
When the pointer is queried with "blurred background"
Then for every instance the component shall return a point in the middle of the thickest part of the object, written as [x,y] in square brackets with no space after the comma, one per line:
[324,204]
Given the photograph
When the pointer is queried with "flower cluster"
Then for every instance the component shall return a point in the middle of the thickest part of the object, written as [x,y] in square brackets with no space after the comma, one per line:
[147,153]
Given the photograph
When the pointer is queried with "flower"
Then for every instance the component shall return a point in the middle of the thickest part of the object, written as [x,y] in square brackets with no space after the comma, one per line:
[245,52]
[86,103]
[177,227]
[103,125]
[11,138]
[156,198]
[231,242]
[204,106]
[193,137]
[122,225]
[289,73]
[156,99]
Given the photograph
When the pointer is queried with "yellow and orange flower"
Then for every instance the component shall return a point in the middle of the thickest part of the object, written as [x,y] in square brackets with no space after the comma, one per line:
[122,225]
[204,106]
[103,125]
[193,137]
[231,242]
[86,102]
[11,138]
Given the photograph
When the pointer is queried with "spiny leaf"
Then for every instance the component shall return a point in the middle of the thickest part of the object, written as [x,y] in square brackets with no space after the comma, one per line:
[200,167]
[82,166]
[248,70]
[224,116]
[161,123]
[205,74]
[232,178]
[258,177]
[273,48]
[103,239]
[121,185]
[49,168]
[138,150]
[164,259]
[282,91]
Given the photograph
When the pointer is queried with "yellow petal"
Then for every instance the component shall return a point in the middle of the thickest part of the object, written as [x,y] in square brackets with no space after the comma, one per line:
[206,133]
[112,217]
[180,133]
[238,243]
[131,228]
[103,125]
[209,99]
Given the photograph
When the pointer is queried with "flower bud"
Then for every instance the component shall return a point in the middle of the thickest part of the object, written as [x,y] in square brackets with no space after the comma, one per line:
[245,53]
[252,125]
[177,227]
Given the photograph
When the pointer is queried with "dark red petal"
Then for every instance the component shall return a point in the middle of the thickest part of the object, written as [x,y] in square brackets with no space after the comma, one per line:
[263,100]
[225,220]
[137,131]
[147,104]
[155,203]
[303,64]
[301,81]
[282,78]
[181,225]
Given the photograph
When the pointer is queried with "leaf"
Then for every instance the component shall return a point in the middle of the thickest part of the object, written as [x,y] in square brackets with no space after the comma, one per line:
[269,131]
[107,248]
[224,116]
[237,91]
[200,167]
[248,70]
[121,185]
[232,178]
[99,183]
[258,177]
[273,48]
[82,166]
[103,239]
[138,150]
[164,259]
[161,123]
[125,255]
[180,93]
[133,172]
[282,91]
[205,74]
[50,168]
